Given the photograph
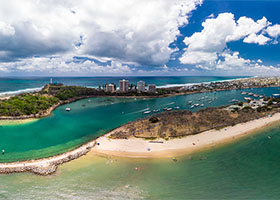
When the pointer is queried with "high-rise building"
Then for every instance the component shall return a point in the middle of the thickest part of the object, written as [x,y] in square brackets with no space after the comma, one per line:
[152,88]
[123,85]
[110,87]
[141,86]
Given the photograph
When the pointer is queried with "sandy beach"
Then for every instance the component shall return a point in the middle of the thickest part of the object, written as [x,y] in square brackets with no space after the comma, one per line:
[140,148]
[17,121]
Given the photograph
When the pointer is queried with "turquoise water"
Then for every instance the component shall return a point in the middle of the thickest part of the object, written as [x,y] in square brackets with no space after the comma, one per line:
[64,130]
[245,169]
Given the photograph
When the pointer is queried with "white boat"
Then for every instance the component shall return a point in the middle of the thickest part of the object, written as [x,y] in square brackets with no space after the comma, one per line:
[234,100]
[190,102]
[247,98]
[67,109]
[192,106]
[147,112]
[196,105]
[243,93]
[276,95]
[176,107]
[255,95]
[202,105]
[250,94]
[168,109]
[155,111]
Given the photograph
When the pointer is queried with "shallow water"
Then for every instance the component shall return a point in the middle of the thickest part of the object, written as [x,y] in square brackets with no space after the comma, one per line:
[64,130]
[244,169]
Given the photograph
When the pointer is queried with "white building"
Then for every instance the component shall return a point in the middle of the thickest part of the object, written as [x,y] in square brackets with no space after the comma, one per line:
[110,88]
[141,86]
[152,88]
[123,85]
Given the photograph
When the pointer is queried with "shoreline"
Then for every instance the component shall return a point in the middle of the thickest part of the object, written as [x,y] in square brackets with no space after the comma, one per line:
[14,119]
[141,148]
[17,121]
[138,148]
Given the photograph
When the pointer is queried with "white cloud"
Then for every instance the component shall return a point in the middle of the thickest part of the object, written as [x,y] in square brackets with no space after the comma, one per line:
[218,31]
[273,31]
[198,57]
[135,31]
[6,29]
[64,65]
[257,39]
[213,36]
[245,27]
[232,61]
[208,49]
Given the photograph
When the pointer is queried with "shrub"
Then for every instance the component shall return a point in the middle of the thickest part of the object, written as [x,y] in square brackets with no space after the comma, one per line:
[153,120]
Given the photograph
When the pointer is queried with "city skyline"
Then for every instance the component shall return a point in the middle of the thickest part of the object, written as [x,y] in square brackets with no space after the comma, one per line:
[139,38]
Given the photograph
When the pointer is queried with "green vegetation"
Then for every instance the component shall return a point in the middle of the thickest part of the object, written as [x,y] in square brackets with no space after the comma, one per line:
[63,92]
[26,104]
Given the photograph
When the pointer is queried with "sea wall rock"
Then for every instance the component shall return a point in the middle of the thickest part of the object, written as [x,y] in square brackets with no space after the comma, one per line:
[46,166]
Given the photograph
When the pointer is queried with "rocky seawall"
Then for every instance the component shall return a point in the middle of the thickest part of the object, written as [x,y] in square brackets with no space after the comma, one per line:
[45,166]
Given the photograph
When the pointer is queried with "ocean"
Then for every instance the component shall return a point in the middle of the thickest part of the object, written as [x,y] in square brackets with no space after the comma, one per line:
[16,85]
[243,169]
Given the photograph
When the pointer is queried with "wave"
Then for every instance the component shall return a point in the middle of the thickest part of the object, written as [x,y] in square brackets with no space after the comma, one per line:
[11,93]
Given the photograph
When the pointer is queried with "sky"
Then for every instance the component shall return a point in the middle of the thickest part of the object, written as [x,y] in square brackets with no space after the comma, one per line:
[139,38]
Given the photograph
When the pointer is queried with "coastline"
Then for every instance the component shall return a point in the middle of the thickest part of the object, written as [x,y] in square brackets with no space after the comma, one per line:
[138,148]
[50,109]
[141,148]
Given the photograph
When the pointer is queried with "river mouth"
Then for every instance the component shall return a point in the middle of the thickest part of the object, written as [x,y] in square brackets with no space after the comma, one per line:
[90,118]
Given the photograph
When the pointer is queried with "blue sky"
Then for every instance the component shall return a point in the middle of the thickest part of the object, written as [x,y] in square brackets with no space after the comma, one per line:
[139,37]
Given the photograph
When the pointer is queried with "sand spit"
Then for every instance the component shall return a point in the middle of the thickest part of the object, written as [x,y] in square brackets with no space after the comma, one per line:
[141,148]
